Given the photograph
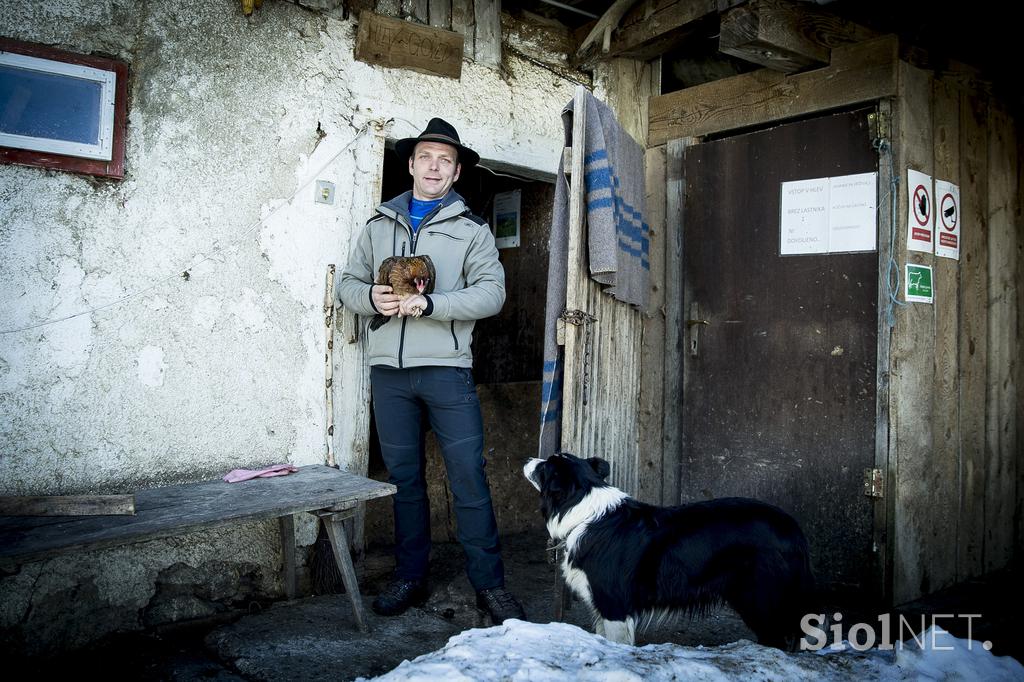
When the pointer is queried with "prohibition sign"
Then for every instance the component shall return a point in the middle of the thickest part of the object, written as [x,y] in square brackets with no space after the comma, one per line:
[922,212]
[947,212]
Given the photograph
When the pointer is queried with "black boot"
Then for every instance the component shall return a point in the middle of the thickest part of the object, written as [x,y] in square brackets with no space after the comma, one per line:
[399,595]
[500,604]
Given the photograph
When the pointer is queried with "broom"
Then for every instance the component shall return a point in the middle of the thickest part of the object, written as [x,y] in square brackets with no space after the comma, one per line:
[323,569]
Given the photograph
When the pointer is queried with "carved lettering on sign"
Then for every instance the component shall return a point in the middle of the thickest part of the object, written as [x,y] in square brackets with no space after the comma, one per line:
[405,45]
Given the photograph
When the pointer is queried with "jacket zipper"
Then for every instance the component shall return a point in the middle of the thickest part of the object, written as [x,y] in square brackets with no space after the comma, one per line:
[455,338]
[423,223]
[445,234]
[401,343]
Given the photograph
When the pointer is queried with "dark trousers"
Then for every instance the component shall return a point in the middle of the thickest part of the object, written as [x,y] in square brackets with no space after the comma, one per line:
[448,395]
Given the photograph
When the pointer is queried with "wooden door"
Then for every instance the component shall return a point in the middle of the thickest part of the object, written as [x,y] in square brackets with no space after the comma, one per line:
[779,386]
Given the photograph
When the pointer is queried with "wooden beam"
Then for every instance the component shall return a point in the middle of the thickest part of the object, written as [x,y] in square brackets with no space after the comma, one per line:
[784,35]
[441,14]
[463,22]
[652,27]
[68,505]
[675,357]
[888,216]
[488,32]
[859,73]
[770,34]
[607,23]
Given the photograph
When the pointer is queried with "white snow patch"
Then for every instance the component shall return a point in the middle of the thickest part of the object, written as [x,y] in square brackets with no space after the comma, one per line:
[532,652]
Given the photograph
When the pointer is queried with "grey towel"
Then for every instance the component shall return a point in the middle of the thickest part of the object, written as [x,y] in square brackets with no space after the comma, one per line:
[618,241]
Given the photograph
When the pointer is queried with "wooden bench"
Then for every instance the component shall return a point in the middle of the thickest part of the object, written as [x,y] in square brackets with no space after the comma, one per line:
[329,493]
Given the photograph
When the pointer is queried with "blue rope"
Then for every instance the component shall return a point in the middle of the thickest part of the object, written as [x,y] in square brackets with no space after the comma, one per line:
[892,279]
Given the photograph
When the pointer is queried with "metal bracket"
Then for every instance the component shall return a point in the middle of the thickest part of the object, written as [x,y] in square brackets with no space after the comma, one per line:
[577,317]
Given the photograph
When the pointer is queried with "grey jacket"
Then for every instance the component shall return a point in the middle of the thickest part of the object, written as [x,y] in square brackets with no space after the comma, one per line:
[470,282]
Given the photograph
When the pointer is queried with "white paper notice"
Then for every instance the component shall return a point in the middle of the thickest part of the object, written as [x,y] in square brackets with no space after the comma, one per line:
[921,213]
[828,215]
[804,220]
[851,214]
[947,226]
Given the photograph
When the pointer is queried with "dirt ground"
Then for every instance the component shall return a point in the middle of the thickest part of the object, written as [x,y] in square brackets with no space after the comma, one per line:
[315,638]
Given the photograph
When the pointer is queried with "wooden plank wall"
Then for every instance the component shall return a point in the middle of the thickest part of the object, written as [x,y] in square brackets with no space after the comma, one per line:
[479,21]
[973,331]
[600,393]
[627,85]
[654,468]
[1003,448]
[883,509]
[955,364]
[675,340]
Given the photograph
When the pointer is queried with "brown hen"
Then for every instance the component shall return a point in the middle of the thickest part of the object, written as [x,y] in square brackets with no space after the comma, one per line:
[407,276]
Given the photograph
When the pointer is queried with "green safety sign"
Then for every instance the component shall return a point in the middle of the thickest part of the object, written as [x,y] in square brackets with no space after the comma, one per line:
[919,283]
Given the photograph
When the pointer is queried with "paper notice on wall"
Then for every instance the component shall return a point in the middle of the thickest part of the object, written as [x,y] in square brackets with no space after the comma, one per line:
[921,211]
[506,223]
[828,215]
[947,225]
[804,221]
[851,214]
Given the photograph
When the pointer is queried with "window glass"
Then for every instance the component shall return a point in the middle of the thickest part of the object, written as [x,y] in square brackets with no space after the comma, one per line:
[49,105]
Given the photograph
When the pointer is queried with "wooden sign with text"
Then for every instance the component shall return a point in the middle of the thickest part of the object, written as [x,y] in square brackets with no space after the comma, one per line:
[405,45]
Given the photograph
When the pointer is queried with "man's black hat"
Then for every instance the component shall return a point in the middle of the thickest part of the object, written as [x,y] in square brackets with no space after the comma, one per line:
[438,130]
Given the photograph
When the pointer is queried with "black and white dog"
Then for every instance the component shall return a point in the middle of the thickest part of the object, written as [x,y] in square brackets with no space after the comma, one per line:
[635,563]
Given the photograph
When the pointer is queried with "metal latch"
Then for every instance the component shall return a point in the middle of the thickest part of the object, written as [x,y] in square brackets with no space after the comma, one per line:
[874,483]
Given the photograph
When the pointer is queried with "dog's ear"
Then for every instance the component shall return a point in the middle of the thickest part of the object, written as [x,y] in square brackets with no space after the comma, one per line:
[600,467]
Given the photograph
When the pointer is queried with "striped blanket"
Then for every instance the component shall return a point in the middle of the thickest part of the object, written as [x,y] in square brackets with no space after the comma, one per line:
[617,240]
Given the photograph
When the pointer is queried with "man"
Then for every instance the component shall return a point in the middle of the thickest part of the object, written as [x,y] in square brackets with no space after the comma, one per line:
[422,361]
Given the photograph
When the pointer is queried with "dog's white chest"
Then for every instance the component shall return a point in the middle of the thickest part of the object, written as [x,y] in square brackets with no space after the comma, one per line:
[576,580]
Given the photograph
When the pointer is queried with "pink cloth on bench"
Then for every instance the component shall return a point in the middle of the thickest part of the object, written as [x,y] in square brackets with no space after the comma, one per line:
[236,475]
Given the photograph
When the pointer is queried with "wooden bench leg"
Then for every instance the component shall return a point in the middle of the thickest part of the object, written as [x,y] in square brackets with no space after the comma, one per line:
[291,587]
[339,543]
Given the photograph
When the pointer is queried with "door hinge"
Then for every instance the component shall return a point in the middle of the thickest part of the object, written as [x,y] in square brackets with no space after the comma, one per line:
[879,126]
[874,483]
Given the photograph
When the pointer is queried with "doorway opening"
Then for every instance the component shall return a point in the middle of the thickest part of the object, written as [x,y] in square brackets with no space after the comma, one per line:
[507,350]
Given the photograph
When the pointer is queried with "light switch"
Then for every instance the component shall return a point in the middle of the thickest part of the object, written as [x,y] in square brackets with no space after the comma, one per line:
[324,193]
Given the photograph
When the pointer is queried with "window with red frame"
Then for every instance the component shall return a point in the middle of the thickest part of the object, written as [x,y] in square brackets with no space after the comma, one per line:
[62,110]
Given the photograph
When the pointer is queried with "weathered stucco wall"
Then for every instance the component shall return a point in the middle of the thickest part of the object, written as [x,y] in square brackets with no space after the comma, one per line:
[188,378]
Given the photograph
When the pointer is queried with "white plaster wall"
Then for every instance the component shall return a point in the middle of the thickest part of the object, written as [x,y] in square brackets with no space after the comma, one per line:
[186,379]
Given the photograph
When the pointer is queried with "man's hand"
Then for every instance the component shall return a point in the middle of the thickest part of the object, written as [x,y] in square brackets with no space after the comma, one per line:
[384,301]
[412,306]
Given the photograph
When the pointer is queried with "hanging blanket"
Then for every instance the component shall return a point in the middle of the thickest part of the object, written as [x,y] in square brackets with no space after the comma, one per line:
[613,168]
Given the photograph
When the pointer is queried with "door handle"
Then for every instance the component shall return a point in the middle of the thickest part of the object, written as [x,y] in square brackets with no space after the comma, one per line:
[693,326]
